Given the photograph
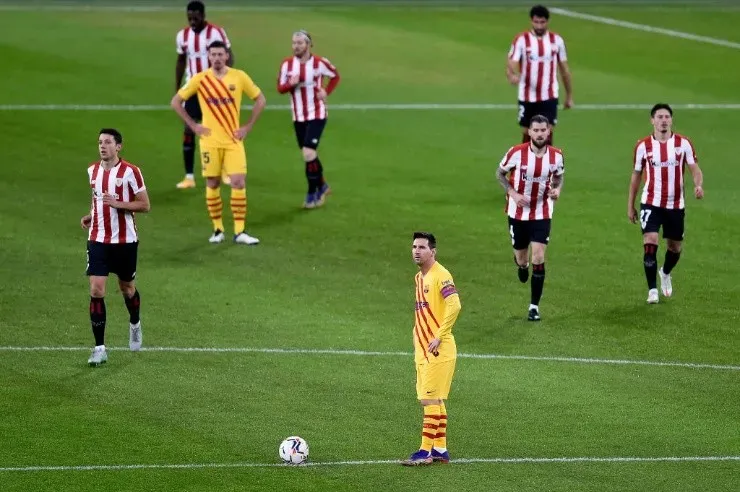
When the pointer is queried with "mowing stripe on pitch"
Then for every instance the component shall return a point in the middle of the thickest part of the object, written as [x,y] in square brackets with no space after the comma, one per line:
[645,28]
[367,107]
[366,353]
[461,461]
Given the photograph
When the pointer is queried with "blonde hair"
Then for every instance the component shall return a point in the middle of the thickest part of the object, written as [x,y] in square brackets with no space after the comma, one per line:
[306,35]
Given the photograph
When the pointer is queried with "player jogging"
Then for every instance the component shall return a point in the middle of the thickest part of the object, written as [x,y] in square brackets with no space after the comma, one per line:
[118,192]
[532,176]
[192,58]
[662,158]
[534,59]
[219,92]
[435,352]
[302,75]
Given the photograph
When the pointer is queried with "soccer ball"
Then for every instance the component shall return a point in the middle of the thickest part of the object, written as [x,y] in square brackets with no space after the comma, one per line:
[293,450]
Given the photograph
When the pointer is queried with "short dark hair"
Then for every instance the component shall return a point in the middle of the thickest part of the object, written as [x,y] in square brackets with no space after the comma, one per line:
[660,106]
[428,236]
[538,118]
[539,11]
[217,44]
[196,7]
[113,132]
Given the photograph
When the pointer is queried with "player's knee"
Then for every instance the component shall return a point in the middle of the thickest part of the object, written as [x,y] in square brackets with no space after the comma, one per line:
[97,288]
[127,288]
[674,246]
[238,182]
[538,257]
[309,154]
[213,183]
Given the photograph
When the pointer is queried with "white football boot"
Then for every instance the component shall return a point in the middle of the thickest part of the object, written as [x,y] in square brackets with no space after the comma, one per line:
[653,297]
[216,237]
[99,356]
[244,238]
[134,336]
[665,283]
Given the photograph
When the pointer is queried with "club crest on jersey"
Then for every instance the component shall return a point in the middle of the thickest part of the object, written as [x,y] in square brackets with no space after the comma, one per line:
[426,289]
[119,182]
[232,87]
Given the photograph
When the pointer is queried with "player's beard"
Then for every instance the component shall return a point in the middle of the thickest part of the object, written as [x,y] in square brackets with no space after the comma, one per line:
[539,143]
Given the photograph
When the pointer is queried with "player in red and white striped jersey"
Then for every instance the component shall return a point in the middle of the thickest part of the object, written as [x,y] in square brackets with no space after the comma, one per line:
[302,75]
[192,57]
[534,59]
[118,191]
[532,175]
[662,158]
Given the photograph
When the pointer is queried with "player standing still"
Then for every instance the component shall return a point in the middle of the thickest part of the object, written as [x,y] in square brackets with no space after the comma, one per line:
[534,59]
[302,75]
[535,179]
[192,58]
[118,192]
[435,352]
[663,157]
[219,92]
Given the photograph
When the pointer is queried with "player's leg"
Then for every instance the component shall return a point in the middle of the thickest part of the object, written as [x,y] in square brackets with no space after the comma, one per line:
[192,107]
[540,236]
[313,139]
[301,128]
[235,165]
[444,372]
[650,222]
[424,393]
[211,159]
[518,231]
[524,117]
[550,111]
[673,230]
[97,272]
[125,268]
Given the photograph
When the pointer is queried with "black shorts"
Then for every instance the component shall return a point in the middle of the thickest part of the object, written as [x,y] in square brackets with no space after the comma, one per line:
[120,259]
[672,220]
[523,232]
[308,133]
[548,109]
[192,108]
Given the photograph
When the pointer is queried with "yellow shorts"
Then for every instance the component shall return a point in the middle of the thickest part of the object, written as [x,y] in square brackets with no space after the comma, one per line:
[433,379]
[222,160]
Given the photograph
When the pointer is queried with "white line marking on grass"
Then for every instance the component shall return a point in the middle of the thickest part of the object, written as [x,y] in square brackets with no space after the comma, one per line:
[362,107]
[646,28]
[461,461]
[365,353]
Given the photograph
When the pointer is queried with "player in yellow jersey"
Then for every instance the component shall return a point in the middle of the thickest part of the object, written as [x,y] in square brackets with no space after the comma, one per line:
[219,91]
[435,352]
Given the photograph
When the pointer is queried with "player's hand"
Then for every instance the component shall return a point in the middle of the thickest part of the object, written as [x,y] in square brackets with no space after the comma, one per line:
[520,200]
[242,132]
[632,214]
[86,221]
[434,346]
[554,193]
[321,94]
[513,78]
[110,200]
[698,192]
[294,80]
[201,130]
[568,102]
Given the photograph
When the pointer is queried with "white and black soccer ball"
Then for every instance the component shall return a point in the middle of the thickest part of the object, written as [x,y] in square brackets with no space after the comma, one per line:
[293,450]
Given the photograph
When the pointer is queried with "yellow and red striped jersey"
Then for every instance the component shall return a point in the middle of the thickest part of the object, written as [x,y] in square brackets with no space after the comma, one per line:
[437,308]
[220,101]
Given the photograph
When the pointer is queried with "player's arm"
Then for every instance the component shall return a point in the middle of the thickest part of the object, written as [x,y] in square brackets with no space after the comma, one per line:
[330,71]
[502,172]
[513,60]
[140,203]
[696,175]
[284,83]
[638,164]
[86,220]
[188,91]
[256,95]
[565,73]
[452,310]
[558,176]
[182,61]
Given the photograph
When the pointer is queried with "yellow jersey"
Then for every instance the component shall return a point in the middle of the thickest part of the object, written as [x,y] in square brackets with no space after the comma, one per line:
[437,308]
[220,102]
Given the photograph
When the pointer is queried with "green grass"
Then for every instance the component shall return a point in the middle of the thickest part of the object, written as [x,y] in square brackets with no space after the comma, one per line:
[341,277]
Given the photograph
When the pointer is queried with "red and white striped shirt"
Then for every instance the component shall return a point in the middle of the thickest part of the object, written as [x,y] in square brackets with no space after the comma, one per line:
[530,176]
[304,101]
[195,46]
[665,163]
[538,59]
[110,225]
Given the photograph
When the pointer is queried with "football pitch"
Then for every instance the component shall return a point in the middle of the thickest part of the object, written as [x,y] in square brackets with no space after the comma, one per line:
[309,333]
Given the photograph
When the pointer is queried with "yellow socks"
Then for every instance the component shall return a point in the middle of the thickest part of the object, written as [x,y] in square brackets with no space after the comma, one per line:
[429,430]
[440,442]
[239,209]
[215,207]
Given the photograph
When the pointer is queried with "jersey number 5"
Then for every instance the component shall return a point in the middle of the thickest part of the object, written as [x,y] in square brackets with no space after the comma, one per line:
[206,156]
[644,216]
